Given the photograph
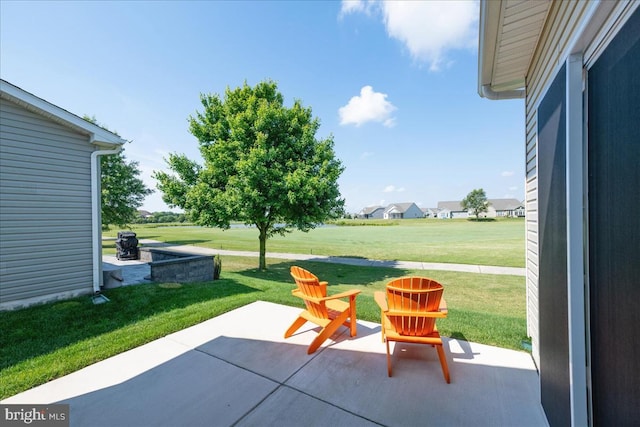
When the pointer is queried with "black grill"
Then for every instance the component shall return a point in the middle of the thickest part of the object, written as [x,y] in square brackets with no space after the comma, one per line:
[127,245]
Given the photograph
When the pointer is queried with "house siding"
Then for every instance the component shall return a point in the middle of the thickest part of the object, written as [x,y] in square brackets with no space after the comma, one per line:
[553,48]
[45,208]
[579,288]
[377,214]
[403,211]
[413,212]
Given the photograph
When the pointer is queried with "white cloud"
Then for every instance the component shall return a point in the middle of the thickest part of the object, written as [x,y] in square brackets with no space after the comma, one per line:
[507,173]
[428,29]
[367,154]
[370,106]
[393,189]
[513,188]
[355,6]
[390,122]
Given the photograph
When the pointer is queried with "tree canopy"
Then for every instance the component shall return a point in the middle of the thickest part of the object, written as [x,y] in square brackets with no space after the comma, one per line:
[263,165]
[476,202]
[122,191]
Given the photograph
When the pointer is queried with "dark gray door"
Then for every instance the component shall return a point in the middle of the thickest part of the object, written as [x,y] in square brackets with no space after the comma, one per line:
[614,228]
[552,280]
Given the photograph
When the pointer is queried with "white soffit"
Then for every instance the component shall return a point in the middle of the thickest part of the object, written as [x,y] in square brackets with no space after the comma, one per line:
[510,30]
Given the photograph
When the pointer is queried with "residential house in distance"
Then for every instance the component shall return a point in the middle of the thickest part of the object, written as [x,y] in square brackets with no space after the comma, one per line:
[500,208]
[144,214]
[451,210]
[443,214]
[520,211]
[50,227]
[371,212]
[430,212]
[403,211]
[576,66]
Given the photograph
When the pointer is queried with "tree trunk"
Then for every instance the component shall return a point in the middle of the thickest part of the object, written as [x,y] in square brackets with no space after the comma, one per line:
[263,247]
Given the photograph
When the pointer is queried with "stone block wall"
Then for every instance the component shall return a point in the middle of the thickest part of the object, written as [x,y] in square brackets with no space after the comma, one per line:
[168,266]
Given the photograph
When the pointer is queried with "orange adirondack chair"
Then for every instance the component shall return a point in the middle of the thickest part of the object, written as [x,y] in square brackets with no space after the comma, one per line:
[410,308]
[329,312]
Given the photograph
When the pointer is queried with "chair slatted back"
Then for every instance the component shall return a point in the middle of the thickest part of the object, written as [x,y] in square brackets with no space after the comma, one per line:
[310,285]
[413,295]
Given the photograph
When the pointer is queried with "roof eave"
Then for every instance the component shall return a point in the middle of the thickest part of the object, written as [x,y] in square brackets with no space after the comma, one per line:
[98,136]
[488,35]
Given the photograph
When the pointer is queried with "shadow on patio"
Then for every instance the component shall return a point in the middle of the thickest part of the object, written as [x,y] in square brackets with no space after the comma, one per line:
[236,369]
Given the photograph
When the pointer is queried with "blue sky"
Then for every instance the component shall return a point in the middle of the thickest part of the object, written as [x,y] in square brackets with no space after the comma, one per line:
[395,83]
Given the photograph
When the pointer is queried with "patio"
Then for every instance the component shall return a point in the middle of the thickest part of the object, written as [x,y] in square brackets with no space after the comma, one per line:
[236,369]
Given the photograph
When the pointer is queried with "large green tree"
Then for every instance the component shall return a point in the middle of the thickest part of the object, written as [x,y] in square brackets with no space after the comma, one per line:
[476,202]
[122,191]
[263,166]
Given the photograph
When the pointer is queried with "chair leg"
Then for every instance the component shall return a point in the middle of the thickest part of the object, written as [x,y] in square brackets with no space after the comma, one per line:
[388,360]
[353,326]
[352,316]
[295,326]
[326,332]
[443,362]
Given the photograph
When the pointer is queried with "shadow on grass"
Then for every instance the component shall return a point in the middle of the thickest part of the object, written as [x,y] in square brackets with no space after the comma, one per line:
[171,242]
[110,243]
[350,257]
[186,242]
[39,330]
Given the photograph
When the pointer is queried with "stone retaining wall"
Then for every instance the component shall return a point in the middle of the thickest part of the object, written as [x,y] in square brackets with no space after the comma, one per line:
[169,266]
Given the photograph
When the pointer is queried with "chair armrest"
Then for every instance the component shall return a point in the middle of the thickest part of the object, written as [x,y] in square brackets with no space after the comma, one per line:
[443,306]
[351,294]
[381,299]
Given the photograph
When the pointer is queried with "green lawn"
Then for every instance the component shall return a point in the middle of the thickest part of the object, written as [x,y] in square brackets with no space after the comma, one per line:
[499,242]
[59,338]
[42,343]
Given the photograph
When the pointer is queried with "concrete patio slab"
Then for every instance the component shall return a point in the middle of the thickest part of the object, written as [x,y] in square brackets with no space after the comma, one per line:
[237,369]
[489,386]
[133,271]
[289,407]
[193,389]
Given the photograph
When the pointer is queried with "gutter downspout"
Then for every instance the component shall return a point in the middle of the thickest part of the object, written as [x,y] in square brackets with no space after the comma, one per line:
[96,225]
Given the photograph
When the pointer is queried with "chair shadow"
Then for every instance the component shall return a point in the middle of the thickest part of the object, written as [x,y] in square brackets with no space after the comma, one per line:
[463,343]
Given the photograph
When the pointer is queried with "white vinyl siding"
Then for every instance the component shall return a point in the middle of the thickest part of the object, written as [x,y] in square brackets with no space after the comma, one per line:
[45,207]
[553,48]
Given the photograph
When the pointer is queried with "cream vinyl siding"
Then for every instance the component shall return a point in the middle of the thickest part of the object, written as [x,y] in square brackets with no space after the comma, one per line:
[45,208]
[553,48]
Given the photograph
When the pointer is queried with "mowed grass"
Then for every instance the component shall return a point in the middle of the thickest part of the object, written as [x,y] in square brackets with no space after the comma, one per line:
[42,343]
[499,242]
[45,342]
